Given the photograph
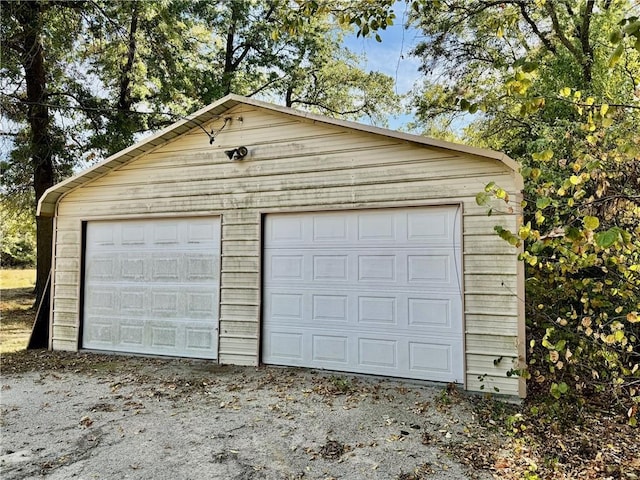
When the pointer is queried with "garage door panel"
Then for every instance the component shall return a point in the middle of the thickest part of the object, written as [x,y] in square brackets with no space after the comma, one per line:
[432,268]
[200,267]
[103,267]
[330,268]
[435,226]
[330,348]
[396,313]
[329,228]
[103,299]
[159,294]
[439,315]
[432,359]
[130,333]
[377,310]
[286,346]
[288,266]
[99,331]
[438,226]
[377,352]
[372,292]
[329,308]
[377,227]
[286,306]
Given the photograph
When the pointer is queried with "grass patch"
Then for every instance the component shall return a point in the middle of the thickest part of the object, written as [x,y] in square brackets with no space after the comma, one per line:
[16,309]
[17,278]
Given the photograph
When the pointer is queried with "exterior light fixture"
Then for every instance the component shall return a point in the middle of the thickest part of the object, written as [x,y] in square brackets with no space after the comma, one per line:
[237,153]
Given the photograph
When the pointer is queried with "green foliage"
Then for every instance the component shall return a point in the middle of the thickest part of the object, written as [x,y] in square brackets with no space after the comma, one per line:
[17,235]
[368,17]
[583,257]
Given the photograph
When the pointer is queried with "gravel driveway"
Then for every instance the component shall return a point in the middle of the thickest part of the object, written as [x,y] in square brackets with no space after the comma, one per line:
[87,416]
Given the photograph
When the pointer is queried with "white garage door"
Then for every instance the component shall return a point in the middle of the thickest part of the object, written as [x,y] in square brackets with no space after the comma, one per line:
[375,291]
[151,286]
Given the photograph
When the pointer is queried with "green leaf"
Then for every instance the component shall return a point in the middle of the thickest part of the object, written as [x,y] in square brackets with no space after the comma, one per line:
[482,198]
[565,92]
[543,202]
[633,27]
[616,55]
[573,233]
[546,155]
[607,238]
[591,223]
[616,36]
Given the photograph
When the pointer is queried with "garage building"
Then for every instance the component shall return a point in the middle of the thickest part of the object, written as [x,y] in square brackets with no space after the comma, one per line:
[253,233]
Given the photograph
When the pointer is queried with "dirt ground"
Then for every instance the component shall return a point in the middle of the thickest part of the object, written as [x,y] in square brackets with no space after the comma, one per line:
[89,416]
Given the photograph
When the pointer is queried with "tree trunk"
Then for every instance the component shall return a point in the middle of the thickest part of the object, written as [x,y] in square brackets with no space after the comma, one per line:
[38,116]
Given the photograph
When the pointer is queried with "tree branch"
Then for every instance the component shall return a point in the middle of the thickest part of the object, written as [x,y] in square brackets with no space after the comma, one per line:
[587,49]
[534,27]
[559,33]
[328,109]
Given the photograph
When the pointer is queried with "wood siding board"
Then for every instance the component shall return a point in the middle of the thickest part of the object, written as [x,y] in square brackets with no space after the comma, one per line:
[232,358]
[245,310]
[238,346]
[345,195]
[479,283]
[65,291]
[240,296]
[243,329]
[490,264]
[496,366]
[375,175]
[64,332]
[69,237]
[67,278]
[185,167]
[68,319]
[64,345]
[239,264]
[487,245]
[66,304]
[491,384]
[67,264]
[490,344]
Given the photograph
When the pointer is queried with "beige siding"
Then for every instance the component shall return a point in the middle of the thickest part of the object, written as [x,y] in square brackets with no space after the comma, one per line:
[240,281]
[295,164]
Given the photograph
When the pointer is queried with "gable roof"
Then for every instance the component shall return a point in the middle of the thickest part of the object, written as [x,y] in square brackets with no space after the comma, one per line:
[48,201]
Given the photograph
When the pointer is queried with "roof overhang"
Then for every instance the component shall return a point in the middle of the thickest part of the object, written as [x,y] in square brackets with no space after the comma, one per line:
[50,198]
